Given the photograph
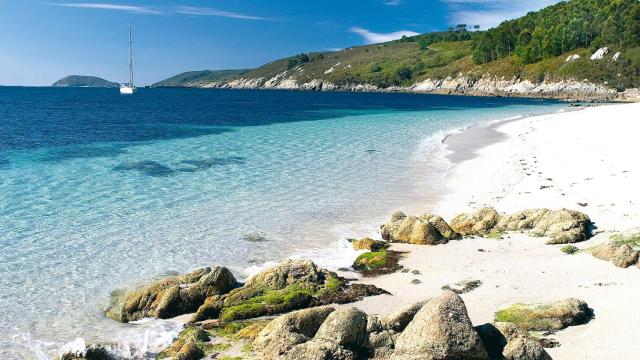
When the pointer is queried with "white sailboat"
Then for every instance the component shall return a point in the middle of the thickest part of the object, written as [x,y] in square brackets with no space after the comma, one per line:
[128,88]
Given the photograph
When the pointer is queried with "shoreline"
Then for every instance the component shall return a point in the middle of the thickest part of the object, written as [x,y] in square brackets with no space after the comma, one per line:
[520,269]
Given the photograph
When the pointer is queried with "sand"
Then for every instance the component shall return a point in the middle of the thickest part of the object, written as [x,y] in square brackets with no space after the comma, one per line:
[585,160]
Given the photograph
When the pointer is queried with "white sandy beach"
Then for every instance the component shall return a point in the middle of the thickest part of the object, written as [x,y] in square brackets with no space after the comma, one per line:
[584,160]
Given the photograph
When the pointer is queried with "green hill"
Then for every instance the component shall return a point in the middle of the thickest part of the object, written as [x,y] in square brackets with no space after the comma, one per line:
[83,81]
[532,49]
[196,78]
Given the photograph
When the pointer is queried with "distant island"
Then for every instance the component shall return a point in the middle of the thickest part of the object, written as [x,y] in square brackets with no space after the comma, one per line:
[579,49]
[84,81]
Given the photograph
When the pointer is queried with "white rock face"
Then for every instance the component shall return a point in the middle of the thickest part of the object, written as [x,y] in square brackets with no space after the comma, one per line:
[616,56]
[572,57]
[598,55]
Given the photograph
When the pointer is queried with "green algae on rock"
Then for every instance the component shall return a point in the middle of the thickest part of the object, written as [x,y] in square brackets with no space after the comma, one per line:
[192,344]
[377,262]
[291,285]
[171,296]
[545,317]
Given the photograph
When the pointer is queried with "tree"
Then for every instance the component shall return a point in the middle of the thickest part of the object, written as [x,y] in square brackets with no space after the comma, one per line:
[476,27]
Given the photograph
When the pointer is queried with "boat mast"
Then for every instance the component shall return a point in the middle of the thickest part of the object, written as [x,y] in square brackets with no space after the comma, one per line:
[130,58]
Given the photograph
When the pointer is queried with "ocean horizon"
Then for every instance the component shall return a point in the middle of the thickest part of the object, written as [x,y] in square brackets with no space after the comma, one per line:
[102,192]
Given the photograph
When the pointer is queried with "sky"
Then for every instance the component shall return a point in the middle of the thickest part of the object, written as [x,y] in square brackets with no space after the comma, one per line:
[44,40]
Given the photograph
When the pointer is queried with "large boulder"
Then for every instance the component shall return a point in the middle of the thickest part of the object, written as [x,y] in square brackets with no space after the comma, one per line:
[440,330]
[622,255]
[345,327]
[171,296]
[288,330]
[398,319]
[426,229]
[189,345]
[546,317]
[480,222]
[563,226]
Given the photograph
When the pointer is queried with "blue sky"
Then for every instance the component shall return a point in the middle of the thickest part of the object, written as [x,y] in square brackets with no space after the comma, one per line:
[41,40]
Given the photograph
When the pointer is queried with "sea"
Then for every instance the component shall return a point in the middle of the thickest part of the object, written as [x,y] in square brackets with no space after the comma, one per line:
[101,192]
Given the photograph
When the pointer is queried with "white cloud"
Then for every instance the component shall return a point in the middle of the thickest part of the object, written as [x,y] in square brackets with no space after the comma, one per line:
[181,10]
[114,7]
[201,11]
[490,13]
[372,37]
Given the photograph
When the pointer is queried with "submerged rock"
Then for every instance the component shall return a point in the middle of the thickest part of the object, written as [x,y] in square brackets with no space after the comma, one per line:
[427,229]
[171,296]
[546,317]
[440,330]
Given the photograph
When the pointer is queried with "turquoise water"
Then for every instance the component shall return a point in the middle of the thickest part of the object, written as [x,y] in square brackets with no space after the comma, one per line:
[99,192]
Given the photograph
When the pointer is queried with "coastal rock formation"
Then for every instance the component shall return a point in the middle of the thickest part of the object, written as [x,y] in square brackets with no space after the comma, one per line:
[479,223]
[346,327]
[505,341]
[620,254]
[171,296]
[427,229]
[288,330]
[440,330]
[375,263]
[546,317]
[189,345]
[369,244]
[291,285]
[561,226]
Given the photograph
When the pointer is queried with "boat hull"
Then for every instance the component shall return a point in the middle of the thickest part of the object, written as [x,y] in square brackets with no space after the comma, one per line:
[127,90]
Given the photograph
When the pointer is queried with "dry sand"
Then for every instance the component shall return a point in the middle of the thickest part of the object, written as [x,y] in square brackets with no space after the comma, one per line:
[588,157]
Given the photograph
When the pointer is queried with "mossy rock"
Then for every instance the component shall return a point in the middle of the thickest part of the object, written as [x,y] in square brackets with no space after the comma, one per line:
[546,317]
[377,262]
[171,296]
[292,285]
[192,344]
[569,249]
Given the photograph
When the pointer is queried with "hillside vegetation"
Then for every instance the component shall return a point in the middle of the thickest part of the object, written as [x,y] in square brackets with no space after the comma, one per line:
[83,81]
[534,48]
[195,78]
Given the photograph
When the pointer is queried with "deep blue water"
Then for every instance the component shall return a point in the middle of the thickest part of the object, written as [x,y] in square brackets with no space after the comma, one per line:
[100,191]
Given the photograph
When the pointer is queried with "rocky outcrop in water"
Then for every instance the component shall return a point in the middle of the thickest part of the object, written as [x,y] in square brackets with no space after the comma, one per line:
[291,285]
[171,296]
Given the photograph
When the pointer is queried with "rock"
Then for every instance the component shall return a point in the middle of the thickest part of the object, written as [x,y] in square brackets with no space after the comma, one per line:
[171,296]
[440,330]
[463,287]
[346,327]
[572,58]
[291,285]
[423,230]
[506,341]
[320,350]
[375,263]
[189,345]
[398,320]
[381,339]
[288,330]
[600,53]
[562,226]
[369,244]
[622,255]
[616,56]
[91,352]
[545,317]
[479,223]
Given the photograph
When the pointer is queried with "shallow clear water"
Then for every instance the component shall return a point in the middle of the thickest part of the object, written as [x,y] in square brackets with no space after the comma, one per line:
[100,191]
